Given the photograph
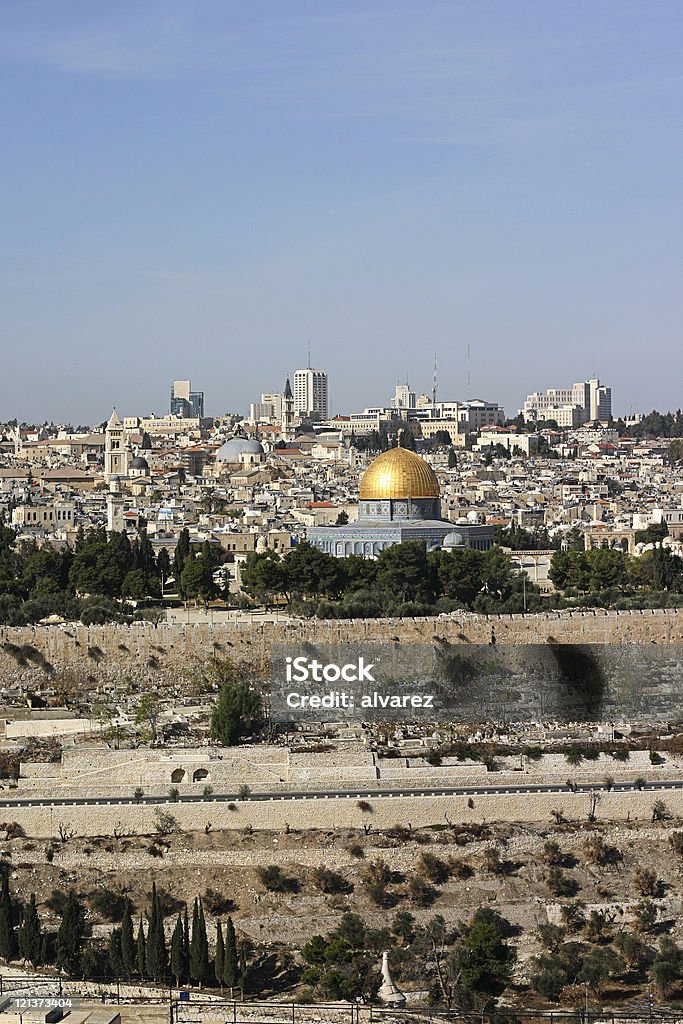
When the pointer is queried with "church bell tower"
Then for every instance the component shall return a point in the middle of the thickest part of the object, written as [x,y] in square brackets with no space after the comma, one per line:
[115,452]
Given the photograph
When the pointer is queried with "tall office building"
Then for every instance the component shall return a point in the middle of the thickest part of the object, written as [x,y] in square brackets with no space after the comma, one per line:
[310,393]
[403,398]
[186,402]
[600,401]
[570,407]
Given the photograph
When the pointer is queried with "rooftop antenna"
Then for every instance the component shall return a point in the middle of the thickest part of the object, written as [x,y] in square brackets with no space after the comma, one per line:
[468,373]
[434,383]
[309,354]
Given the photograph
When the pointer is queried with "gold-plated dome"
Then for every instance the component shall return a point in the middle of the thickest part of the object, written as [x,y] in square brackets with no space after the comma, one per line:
[399,473]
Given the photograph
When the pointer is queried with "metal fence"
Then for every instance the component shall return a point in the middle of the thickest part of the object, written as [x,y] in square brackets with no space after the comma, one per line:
[197,1011]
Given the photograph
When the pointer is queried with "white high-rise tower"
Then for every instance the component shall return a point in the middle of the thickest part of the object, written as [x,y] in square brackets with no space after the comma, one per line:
[310,393]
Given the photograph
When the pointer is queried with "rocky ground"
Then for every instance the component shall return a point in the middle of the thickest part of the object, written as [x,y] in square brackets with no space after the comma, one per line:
[222,868]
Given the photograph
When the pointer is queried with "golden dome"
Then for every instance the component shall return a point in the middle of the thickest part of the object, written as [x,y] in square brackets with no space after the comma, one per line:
[399,473]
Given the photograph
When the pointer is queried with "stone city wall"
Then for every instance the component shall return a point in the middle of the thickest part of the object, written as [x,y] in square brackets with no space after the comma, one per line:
[77,655]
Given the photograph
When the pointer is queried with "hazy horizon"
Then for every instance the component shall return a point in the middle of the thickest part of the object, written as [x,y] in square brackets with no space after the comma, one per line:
[202,189]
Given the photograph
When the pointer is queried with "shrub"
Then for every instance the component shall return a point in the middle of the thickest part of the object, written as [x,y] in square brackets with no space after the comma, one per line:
[552,853]
[621,754]
[217,904]
[274,879]
[107,904]
[166,823]
[660,811]
[492,860]
[676,842]
[420,892]
[56,901]
[331,882]
[646,882]
[376,879]
[434,869]
[460,868]
[558,883]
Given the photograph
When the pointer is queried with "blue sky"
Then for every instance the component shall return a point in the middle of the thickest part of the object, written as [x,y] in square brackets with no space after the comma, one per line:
[199,189]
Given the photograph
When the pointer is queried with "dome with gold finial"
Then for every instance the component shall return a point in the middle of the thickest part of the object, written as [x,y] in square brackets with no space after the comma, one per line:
[398,474]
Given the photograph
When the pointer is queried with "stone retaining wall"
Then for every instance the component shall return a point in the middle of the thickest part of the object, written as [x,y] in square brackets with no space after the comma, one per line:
[342,812]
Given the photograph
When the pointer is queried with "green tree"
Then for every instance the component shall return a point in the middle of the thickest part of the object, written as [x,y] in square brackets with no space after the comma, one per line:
[600,966]
[667,966]
[238,712]
[114,957]
[196,578]
[141,951]
[231,970]
[404,570]
[93,571]
[460,573]
[199,946]
[70,935]
[163,564]
[157,955]
[309,572]
[30,937]
[128,953]
[182,551]
[263,576]
[483,959]
[219,957]
[179,965]
[8,937]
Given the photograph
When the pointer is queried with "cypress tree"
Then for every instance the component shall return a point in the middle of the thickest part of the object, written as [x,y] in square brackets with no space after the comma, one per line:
[186,941]
[114,955]
[70,935]
[219,959]
[141,951]
[231,968]
[157,956]
[182,550]
[199,946]
[8,938]
[127,941]
[151,932]
[30,938]
[178,959]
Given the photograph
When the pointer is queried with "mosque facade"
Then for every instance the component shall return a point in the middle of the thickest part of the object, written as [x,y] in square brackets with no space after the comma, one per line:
[399,501]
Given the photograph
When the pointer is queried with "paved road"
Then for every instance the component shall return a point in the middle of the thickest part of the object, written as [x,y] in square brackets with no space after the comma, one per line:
[653,786]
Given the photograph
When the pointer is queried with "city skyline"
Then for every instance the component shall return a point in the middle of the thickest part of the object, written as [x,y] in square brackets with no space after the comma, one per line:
[202,191]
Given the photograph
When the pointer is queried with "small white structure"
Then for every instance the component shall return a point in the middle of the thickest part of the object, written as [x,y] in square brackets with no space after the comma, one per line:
[389,991]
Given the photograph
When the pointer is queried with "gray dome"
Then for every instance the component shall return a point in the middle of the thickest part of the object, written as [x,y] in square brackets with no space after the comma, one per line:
[140,463]
[236,446]
[453,540]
